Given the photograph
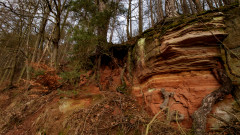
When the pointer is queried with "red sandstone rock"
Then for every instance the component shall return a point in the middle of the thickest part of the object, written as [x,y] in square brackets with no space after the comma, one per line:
[189,89]
[180,62]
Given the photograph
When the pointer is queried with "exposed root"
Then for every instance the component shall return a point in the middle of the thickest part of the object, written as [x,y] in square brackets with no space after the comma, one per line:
[166,96]
[164,106]
[200,116]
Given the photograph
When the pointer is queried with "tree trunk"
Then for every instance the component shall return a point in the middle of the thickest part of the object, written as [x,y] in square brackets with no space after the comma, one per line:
[185,7]
[113,24]
[113,28]
[26,31]
[140,18]
[220,3]
[170,8]
[26,66]
[177,7]
[210,4]
[200,116]
[40,35]
[203,4]
[6,71]
[102,30]
[159,9]
[57,33]
[47,45]
[151,13]
[55,45]
[191,6]
[12,72]
[198,5]
[216,3]
[129,19]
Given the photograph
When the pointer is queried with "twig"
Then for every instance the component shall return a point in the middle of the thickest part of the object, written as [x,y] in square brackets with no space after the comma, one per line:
[76,131]
[180,128]
[149,124]
[221,119]
[233,115]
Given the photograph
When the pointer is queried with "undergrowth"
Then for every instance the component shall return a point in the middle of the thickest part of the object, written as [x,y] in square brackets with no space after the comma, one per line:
[115,114]
[46,76]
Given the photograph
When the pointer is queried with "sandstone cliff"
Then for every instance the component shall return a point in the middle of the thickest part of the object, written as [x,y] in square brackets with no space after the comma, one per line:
[180,60]
[169,70]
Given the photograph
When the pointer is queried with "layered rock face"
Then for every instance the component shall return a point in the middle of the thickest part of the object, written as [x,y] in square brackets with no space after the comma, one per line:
[180,62]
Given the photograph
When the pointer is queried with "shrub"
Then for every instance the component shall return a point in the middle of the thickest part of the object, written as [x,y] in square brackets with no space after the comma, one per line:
[46,76]
[71,77]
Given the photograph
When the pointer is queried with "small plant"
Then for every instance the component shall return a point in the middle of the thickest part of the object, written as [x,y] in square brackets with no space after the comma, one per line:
[71,77]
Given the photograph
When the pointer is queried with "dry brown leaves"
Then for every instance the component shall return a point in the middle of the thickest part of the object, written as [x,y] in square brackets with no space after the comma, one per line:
[48,78]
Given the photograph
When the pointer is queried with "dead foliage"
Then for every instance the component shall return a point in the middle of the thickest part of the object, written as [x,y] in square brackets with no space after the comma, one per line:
[46,76]
[17,107]
[115,114]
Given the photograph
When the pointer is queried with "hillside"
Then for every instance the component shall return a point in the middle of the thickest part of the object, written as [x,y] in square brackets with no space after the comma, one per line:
[181,76]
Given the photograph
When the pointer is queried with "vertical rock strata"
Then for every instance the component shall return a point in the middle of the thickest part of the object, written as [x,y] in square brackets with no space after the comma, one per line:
[180,61]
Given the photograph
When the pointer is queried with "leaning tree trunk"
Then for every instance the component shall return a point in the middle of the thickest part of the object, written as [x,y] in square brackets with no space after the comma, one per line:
[200,116]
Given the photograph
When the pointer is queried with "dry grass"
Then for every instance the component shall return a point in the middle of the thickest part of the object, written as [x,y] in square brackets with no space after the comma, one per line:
[115,114]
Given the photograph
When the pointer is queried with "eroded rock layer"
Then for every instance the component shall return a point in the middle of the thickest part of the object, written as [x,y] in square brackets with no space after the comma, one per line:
[179,62]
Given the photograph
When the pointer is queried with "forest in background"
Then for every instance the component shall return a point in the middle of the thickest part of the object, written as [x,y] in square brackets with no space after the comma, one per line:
[54,35]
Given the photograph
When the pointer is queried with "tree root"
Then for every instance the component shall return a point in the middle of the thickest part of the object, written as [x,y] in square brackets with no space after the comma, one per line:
[175,115]
[200,116]
[166,96]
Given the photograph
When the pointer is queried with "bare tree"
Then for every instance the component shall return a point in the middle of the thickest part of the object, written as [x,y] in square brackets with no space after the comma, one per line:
[56,7]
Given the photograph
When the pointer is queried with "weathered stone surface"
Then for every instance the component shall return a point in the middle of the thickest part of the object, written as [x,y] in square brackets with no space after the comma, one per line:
[193,47]
[187,89]
[222,110]
[180,62]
